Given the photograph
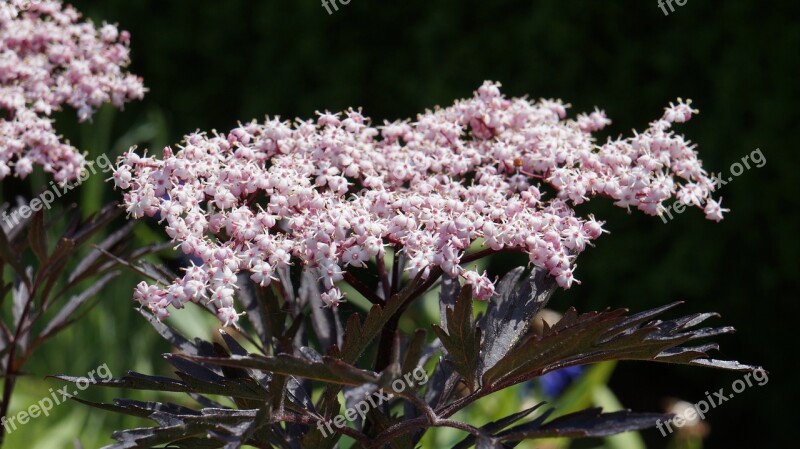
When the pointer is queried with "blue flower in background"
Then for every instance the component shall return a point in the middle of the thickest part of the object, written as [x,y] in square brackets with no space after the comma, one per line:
[555,382]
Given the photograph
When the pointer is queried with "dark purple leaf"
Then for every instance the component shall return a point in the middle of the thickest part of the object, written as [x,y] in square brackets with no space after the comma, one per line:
[462,339]
[509,313]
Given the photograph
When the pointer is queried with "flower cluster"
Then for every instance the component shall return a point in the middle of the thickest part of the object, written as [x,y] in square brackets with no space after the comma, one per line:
[47,59]
[334,192]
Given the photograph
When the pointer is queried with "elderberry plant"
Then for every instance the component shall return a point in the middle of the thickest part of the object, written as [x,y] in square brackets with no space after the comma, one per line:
[49,58]
[49,275]
[335,192]
[53,282]
[276,216]
[308,366]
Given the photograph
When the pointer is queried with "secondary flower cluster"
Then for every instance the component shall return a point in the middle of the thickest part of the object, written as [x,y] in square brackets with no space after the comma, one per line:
[332,193]
[47,59]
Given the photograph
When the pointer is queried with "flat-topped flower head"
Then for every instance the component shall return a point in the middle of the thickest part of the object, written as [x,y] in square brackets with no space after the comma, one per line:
[334,192]
[48,59]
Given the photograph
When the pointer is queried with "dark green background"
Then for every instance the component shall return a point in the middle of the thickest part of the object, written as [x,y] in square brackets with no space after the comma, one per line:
[209,64]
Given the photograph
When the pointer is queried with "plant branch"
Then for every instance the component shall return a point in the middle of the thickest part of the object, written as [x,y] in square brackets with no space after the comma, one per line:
[290,417]
[11,369]
[413,424]
[478,255]
[398,429]
[126,264]
[361,288]
[384,275]
[396,271]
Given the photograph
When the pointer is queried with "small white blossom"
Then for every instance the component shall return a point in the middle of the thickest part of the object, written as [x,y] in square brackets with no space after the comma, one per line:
[333,193]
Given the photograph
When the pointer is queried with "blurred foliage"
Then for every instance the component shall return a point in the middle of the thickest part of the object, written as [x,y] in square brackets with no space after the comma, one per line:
[209,64]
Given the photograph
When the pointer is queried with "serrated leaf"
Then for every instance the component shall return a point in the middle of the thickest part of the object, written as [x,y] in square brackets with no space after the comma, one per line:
[509,313]
[86,265]
[137,408]
[47,274]
[487,443]
[95,223]
[462,339]
[285,283]
[257,314]
[233,346]
[358,336]
[326,323]
[381,421]
[190,431]
[66,315]
[414,351]
[435,394]
[448,296]
[20,295]
[174,337]
[496,426]
[586,423]
[600,336]
[134,381]
[12,258]
[331,371]
[37,238]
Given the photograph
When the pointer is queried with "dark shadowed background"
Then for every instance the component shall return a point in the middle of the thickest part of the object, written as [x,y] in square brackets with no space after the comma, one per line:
[209,64]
